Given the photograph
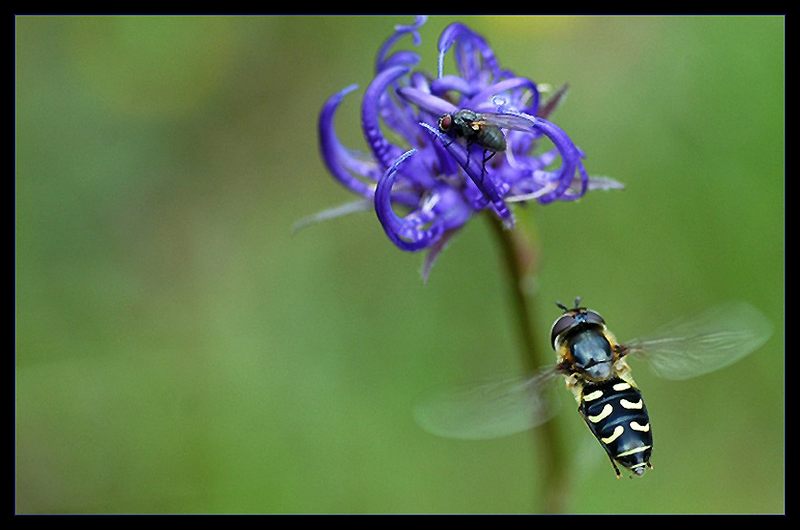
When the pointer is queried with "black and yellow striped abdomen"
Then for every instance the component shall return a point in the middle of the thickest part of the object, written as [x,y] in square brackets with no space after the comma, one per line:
[615,413]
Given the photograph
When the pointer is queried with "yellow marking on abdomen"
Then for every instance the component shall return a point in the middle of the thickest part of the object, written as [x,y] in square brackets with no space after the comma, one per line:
[603,413]
[628,405]
[643,428]
[593,395]
[634,451]
[621,386]
[618,430]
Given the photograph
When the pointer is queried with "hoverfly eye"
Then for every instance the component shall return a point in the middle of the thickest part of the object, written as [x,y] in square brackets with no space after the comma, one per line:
[593,317]
[445,122]
[561,325]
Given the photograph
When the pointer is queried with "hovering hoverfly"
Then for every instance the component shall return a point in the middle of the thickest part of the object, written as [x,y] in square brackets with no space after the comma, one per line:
[594,366]
[483,129]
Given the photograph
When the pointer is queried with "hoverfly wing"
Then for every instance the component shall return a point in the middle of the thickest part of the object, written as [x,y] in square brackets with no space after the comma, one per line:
[703,343]
[507,120]
[488,409]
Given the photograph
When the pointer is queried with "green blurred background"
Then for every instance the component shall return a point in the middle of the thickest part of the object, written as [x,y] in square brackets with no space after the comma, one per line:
[178,350]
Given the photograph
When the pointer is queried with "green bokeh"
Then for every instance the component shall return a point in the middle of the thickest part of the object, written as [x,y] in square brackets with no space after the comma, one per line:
[178,350]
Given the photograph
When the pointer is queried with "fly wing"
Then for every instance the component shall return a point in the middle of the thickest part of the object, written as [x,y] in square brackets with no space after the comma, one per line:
[489,409]
[703,343]
[507,120]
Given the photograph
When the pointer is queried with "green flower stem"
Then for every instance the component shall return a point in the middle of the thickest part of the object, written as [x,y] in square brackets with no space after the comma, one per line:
[520,257]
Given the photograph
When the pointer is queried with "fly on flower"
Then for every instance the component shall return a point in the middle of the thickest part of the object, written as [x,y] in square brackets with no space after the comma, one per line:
[420,182]
[483,129]
[595,369]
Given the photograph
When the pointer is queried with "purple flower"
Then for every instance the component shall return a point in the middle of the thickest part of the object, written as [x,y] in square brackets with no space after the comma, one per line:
[440,182]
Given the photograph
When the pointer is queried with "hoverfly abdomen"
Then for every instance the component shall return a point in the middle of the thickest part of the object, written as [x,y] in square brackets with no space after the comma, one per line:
[615,413]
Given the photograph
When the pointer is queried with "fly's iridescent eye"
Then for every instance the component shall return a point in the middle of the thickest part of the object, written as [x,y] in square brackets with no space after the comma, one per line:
[445,122]
[561,325]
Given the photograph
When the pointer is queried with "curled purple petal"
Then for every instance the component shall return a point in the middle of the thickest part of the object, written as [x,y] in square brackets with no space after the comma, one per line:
[428,102]
[398,115]
[359,163]
[404,233]
[571,194]
[476,198]
[333,153]
[569,158]
[467,42]
[447,165]
[401,58]
[421,82]
[399,32]
[342,161]
[449,205]
[452,82]
[383,150]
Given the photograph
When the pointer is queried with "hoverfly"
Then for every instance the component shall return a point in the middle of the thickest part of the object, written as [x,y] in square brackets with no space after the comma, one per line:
[594,366]
[482,129]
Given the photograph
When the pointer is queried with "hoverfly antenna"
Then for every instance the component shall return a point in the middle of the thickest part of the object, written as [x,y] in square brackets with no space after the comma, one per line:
[577,301]
[562,307]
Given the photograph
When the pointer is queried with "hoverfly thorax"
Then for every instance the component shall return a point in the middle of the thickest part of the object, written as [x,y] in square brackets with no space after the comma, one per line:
[583,344]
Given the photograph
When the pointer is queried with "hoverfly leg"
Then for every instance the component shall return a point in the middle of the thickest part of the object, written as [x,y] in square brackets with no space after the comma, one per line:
[613,464]
[607,450]
[616,469]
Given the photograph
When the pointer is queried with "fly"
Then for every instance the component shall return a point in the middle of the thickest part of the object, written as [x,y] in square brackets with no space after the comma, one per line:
[594,366]
[483,129]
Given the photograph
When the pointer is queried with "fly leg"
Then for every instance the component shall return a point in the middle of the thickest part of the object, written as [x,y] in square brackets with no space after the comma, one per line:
[486,158]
